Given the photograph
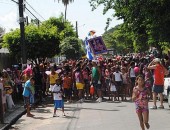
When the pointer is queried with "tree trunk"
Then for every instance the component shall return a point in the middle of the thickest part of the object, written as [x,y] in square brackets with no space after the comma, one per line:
[65,12]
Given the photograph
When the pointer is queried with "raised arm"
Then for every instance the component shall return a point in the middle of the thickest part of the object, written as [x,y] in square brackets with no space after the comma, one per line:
[152,65]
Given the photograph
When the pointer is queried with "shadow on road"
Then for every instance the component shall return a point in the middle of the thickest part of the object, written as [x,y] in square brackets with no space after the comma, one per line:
[122,106]
[40,118]
[71,117]
[99,109]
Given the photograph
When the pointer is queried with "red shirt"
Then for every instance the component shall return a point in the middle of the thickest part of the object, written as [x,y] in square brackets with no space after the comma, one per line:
[159,75]
[67,82]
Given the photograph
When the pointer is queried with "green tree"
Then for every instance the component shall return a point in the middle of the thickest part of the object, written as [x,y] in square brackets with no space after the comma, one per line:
[147,20]
[65,29]
[118,39]
[41,42]
[71,48]
[2,32]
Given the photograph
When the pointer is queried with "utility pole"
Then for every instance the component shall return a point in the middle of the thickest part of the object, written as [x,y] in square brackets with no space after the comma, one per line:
[77,29]
[22,32]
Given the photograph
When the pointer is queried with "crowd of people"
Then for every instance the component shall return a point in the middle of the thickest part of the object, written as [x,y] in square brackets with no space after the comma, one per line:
[77,80]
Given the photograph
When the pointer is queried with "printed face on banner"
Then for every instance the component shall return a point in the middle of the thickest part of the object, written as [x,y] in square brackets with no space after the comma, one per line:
[97,45]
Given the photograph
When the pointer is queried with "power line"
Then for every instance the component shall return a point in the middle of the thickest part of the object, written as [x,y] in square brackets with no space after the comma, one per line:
[27,10]
[35,10]
[32,13]
[14,1]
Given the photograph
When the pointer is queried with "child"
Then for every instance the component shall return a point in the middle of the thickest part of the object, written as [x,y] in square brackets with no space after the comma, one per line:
[113,90]
[67,83]
[107,81]
[117,75]
[26,93]
[126,83]
[140,97]
[57,95]
[32,99]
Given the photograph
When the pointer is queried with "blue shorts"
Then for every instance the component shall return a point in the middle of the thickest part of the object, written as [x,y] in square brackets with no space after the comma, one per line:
[32,99]
[158,88]
[58,104]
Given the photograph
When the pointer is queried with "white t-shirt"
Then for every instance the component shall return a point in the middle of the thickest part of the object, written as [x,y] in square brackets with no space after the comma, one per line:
[58,95]
[132,73]
[113,88]
[117,76]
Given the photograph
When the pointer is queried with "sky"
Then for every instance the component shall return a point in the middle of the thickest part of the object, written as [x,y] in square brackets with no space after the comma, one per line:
[79,11]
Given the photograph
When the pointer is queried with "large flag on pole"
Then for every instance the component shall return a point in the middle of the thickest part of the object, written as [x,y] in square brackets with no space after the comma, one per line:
[88,50]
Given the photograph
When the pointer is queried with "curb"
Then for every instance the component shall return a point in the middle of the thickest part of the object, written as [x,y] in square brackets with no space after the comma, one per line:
[7,126]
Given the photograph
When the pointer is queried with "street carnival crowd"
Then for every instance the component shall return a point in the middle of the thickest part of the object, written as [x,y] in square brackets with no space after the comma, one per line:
[119,78]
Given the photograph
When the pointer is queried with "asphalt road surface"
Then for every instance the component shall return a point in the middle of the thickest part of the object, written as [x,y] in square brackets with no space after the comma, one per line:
[93,116]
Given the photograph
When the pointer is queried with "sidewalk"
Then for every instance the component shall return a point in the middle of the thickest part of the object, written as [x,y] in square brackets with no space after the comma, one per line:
[11,116]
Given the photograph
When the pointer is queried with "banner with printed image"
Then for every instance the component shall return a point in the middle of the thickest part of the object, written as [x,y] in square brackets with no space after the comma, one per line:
[97,45]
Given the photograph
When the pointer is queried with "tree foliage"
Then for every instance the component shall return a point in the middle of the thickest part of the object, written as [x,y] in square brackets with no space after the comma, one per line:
[71,48]
[42,41]
[118,40]
[2,32]
[147,20]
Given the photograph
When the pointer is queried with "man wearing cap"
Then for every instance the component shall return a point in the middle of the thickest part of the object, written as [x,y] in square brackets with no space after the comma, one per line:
[158,87]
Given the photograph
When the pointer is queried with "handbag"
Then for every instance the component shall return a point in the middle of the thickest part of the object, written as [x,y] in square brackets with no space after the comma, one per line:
[91,90]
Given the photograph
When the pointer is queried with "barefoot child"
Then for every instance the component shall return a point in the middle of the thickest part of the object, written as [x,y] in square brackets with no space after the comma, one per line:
[57,95]
[32,98]
[140,97]
[26,94]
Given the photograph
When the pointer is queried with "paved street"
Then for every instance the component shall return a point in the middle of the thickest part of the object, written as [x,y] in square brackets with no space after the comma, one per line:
[93,116]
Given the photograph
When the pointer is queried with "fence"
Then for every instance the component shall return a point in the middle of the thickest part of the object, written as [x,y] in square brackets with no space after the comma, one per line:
[6,61]
[58,60]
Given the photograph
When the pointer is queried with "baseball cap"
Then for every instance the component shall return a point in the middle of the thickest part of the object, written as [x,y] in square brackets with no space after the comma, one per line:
[157,60]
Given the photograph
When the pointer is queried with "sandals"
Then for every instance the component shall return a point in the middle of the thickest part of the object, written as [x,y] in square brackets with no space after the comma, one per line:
[161,107]
[153,107]
[147,125]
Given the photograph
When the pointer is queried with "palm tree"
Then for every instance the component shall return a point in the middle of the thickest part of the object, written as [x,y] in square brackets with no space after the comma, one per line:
[66,2]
